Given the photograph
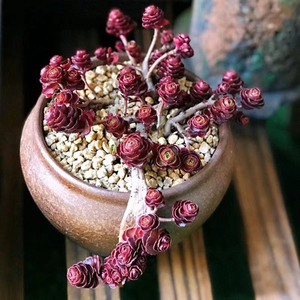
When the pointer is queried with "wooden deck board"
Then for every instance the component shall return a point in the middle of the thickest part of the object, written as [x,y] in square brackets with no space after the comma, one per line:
[273,261]
[183,271]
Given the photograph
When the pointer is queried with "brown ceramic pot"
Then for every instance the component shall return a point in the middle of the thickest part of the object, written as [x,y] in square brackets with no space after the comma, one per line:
[91,216]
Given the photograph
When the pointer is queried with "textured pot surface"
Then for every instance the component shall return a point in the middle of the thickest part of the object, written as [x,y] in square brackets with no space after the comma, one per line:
[91,216]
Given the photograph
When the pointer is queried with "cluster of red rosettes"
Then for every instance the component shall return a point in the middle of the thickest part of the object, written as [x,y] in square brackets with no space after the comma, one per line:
[166,37]
[147,115]
[131,83]
[153,17]
[116,125]
[170,92]
[171,66]
[198,125]
[70,119]
[182,45]
[134,150]
[60,74]
[200,91]
[134,50]
[85,274]
[172,157]
[119,24]
[106,55]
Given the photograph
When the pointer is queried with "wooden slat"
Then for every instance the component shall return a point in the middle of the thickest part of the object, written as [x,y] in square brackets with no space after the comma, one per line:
[11,180]
[273,261]
[75,254]
[183,272]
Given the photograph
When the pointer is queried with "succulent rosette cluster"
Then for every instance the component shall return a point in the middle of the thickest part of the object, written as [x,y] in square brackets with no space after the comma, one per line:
[134,150]
[131,83]
[167,103]
[106,55]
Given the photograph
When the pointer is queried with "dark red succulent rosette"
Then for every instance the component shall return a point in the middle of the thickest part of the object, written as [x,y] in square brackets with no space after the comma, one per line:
[134,150]
[82,60]
[180,39]
[116,125]
[251,98]
[134,50]
[153,17]
[166,36]
[185,51]
[124,254]
[223,109]
[234,80]
[59,61]
[119,46]
[72,80]
[200,91]
[207,112]
[190,161]
[155,55]
[198,125]
[156,241]
[171,66]
[133,236]
[170,93]
[106,55]
[131,83]
[51,78]
[94,261]
[118,23]
[100,53]
[240,118]
[149,222]
[184,212]
[223,88]
[70,119]
[154,198]
[167,156]
[113,274]
[164,80]
[66,97]
[146,115]
[84,275]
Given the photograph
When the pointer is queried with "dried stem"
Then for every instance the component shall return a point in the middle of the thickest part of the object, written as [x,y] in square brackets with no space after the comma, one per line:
[166,219]
[155,64]
[182,132]
[145,64]
[185,114]
[125,42]
[159,112]
[136,205]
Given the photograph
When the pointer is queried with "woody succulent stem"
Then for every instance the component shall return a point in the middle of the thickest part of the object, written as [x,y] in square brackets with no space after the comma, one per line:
[159,112]
[136,205]
[166,219]
[145,64]
[185,114]
[183,133]
[125,42]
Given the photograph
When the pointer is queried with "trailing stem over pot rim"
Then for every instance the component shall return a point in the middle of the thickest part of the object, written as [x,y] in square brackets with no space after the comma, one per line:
[152,105]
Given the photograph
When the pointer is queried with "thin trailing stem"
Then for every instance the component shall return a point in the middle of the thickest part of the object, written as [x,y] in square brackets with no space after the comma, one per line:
[145,64]
[183,134]
[125,42]
[159,112]
[185,114]
[166,219]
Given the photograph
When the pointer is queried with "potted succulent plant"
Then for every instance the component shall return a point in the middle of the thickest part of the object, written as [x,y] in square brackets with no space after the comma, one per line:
[123,149]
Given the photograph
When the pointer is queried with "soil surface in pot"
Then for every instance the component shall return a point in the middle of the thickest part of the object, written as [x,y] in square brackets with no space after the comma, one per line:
[93,158]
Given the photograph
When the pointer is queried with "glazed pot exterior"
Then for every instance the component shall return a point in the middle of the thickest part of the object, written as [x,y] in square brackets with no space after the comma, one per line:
[91,216]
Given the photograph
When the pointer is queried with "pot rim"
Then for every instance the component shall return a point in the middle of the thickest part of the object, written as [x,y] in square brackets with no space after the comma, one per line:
[200,176]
